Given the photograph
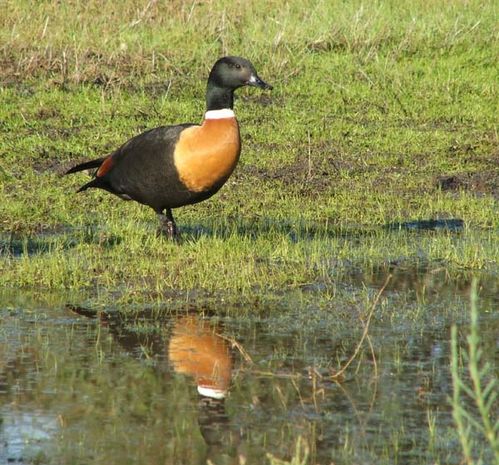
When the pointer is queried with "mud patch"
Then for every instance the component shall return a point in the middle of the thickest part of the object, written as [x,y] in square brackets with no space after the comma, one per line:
[310,175]
[482,182]
[46,163]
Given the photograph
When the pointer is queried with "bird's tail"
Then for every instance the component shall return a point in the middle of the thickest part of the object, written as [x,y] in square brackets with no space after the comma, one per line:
[86,166]
[96,182]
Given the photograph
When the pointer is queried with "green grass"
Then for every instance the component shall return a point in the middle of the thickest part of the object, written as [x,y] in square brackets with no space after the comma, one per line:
[373,103]
[481,391]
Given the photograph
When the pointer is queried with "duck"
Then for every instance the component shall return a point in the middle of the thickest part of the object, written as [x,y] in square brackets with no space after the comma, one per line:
[172,166]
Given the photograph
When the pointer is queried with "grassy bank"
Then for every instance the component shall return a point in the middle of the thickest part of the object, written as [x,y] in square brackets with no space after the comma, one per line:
[381,113]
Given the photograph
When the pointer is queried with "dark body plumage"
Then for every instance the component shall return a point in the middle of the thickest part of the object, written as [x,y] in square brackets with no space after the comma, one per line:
[172,166]
[138,160]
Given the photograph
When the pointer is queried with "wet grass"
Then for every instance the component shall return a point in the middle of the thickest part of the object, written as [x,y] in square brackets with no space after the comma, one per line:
[128,262]
[381,114]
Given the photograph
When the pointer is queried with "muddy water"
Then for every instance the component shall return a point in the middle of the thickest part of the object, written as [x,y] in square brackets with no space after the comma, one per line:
[79,386]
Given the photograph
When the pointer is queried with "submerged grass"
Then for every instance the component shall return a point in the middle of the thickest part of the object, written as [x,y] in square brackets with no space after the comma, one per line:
[118,362]
[381,113]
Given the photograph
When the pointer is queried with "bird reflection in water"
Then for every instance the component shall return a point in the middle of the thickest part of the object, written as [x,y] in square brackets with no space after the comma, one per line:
[193,348]
[196,350]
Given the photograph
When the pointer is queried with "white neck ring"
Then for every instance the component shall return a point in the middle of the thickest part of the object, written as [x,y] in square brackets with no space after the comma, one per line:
[211,392]
[219,114]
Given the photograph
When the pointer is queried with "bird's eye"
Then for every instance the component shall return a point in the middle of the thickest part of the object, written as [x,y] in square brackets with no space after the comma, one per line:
[238,66]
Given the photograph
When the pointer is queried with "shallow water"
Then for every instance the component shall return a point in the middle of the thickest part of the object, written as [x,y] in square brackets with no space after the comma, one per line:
[81,386]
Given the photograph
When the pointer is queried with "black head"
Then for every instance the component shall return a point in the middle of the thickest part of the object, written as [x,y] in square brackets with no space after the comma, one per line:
[234,72]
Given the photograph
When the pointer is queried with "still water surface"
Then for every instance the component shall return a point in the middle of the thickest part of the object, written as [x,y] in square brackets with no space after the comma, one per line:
[79,386]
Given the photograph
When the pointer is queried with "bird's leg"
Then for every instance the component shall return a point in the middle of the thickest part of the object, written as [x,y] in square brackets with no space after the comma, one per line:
[167,224]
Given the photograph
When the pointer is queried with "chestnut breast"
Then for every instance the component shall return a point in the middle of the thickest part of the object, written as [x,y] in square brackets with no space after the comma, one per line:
[205,156]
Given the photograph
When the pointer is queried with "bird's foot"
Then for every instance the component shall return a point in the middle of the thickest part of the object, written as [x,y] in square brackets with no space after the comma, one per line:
[168,228]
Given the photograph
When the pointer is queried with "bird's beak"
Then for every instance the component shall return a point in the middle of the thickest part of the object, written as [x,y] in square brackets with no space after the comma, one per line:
[255,81]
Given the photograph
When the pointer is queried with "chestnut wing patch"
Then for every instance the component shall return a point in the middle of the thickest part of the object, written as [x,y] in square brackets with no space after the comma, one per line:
[107,164]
